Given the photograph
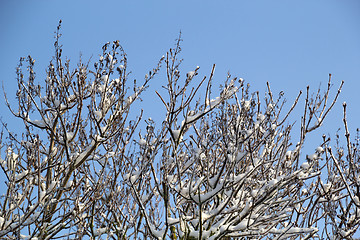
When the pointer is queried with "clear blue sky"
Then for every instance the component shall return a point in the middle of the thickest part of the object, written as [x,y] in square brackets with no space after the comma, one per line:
[289,43]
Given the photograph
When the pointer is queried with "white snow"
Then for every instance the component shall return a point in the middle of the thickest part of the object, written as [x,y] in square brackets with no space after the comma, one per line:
[52,186]
[191,118]
[133,178]
[158,234]
[172,221]
[327,187]
[305,166]
[39,123]
[14,156]
[240,156]
[246,105]
[84,153]
[176,134]
[254,192]
[81,206]
[104,78]
[356,200]
[260,117]
[42,196]
[63,107]
[129,100]
[110,57]
[101,88]
[69,135]
[142,142]
[126,177]
[208,195]
[56,103]
[214,102]
[345,233]
[22,236]
[242,225]
[293,230]
[98,114]
[256,124]
[100,231]
[68,184]
[239,177]
[313,157]
[272,183]
[21,175]
[246,209]
[190,74]
[35,215]
[71,98]
[319,149]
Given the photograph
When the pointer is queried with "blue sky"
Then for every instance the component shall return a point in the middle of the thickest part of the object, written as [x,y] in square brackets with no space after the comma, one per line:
[291,44]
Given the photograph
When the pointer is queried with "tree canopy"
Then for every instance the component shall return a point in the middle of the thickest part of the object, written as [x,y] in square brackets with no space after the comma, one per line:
[217,167]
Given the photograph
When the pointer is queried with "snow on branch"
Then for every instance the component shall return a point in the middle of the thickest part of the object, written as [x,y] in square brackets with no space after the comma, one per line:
[219,165]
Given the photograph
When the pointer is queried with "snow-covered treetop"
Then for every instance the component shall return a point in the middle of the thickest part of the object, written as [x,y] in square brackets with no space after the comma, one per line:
[218,165]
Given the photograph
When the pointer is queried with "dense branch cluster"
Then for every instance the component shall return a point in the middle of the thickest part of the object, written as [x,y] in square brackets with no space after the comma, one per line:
[216,168]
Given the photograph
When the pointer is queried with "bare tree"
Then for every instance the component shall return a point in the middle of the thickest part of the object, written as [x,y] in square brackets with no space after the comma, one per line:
[218,167]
